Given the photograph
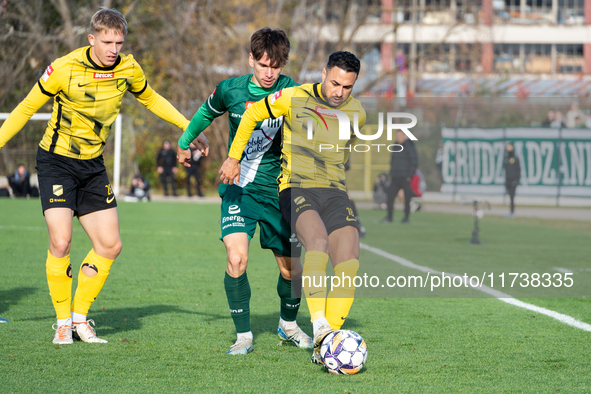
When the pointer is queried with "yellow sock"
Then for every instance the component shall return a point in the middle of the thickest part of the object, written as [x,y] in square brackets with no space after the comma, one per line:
[90,286]
[341,298]
[59,280]
[313,282]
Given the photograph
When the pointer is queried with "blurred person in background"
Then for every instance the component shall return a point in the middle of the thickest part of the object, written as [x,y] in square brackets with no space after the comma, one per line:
[557,122]
[403,165]
[167,169]
[512,176]
[139,189]
[19,182]
[549,119]
[194,172]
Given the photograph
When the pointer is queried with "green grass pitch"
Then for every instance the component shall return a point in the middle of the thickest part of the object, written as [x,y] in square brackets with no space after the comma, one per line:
[165,315]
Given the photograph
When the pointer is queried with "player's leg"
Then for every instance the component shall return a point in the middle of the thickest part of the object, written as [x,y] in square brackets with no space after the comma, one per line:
[276,235]
[238,290]
[344,254]
[59,270]
[288,330]
[102,228]
[58,193]
[343,243]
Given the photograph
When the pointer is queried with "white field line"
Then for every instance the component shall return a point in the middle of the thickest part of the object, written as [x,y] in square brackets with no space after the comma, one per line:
[571,321]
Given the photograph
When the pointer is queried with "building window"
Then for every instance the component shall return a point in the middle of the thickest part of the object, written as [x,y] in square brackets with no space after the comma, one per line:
[569,58]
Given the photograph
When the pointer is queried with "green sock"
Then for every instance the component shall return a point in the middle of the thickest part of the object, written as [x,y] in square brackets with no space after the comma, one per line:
[289,306]
[238,293]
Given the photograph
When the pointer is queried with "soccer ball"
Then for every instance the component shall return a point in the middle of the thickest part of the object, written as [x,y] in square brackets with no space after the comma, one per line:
[343,352]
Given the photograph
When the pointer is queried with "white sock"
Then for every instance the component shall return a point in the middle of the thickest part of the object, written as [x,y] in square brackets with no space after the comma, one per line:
[61,322]
[318,322]
[78,318]
[288,325]
[247,335]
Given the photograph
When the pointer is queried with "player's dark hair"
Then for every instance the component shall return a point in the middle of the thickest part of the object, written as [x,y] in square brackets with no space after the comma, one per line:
[274,42]
[108,19]
[345,61]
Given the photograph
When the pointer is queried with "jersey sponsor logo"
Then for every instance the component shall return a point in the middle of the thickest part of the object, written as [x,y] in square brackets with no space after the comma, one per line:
[104,75]
[47,73]
[248,104]
[58,190]
[275,97]
[233,209]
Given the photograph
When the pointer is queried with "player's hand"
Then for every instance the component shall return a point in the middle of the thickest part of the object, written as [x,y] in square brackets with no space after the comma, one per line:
[160,170]
[230,171]
[201,143]
[183,156]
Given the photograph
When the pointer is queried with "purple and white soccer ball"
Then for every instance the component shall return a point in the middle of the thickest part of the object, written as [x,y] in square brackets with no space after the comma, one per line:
[343,352]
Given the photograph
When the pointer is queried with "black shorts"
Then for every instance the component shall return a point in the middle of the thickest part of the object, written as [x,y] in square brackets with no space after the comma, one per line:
[81,185]
[333,206]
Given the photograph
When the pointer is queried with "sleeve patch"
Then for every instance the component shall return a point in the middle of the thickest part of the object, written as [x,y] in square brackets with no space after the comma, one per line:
[47,73]
[275,97]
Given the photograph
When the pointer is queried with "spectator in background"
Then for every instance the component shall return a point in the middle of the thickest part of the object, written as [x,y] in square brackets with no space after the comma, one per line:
[573,116]
[193,172]
[167,169]
[512,175]
[19,182]
[549,119]
[139,189]
[403,165]
[557,122]
[380,190]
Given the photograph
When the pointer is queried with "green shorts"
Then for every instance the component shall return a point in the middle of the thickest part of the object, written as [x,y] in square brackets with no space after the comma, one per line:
[241,212]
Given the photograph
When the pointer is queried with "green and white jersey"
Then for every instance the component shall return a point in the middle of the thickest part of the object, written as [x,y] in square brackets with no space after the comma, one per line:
[260,165]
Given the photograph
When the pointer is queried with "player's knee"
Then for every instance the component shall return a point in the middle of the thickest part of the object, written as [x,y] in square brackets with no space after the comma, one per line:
[110,250]
[117,247]
[60,248]
[236,260]
[319,244]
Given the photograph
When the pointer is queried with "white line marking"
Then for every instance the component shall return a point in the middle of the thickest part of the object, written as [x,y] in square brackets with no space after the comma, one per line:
[563,270]
[571,321]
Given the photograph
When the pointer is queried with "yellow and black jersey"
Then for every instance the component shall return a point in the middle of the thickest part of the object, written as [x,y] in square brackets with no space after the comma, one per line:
[317,140]
[87,100]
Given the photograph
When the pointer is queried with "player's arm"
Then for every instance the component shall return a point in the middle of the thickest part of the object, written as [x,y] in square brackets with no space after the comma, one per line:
[22,113]
[273,107]
[211,109]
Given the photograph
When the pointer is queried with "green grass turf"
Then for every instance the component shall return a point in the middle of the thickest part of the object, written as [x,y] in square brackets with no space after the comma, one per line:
[165,315]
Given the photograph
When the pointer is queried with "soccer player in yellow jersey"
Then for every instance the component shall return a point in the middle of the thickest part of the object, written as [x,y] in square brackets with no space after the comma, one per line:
[87,86]
[318,118]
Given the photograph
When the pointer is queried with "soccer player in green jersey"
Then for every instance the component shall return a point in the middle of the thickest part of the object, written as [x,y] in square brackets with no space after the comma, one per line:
[88,86]
[254,199]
